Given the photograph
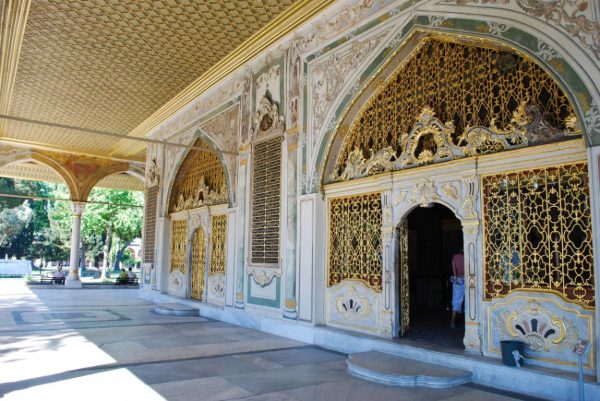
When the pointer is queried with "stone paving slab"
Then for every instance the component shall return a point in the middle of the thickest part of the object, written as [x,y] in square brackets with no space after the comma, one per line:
[158,357]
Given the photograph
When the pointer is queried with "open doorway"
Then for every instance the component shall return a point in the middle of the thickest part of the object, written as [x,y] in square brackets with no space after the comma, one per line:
[429,237]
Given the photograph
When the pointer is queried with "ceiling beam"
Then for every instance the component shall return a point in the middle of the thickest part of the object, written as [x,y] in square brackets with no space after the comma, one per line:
[285,23]
[112,134]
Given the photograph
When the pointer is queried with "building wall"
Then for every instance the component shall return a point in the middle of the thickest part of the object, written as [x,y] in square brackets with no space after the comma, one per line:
[317,77]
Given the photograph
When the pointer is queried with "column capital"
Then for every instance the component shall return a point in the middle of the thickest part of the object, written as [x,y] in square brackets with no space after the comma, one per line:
[78,208]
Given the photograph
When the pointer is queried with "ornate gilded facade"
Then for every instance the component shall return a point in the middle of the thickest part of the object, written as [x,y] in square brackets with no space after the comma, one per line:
[451,100]
[327,147]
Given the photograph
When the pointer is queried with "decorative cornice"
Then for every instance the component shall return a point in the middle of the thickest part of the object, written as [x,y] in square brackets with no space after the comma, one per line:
[284,24]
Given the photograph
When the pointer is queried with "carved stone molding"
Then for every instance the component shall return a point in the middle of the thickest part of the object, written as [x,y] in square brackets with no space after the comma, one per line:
[266,121]
[328,76]
[424,193]
[152,174]
[571,16]
[263,277]
[78,208]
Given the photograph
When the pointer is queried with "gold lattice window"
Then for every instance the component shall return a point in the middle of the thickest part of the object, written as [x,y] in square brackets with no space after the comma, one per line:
[464,84]
[355,239]
[218,244]
[198,264]
[178,245]
[265,202]
[198,170]
[150,212]
[538,234]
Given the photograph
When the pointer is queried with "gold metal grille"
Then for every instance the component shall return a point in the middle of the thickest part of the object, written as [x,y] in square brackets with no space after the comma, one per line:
[404,277]
[198,167]
[178,245]
[198,264]
[463,84]
[150,223]
[265,202]
[538,234]
[218,244]
[355,239]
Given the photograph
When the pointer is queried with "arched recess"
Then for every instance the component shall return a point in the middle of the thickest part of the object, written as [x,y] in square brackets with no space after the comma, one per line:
[34,157]
[200,181]
[349,111]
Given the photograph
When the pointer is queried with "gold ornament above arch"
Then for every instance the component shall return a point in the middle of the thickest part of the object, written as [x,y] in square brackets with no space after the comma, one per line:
[449,97]
[200,181]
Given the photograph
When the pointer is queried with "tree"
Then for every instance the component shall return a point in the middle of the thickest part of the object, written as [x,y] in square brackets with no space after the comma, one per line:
[13,222]
[112,222]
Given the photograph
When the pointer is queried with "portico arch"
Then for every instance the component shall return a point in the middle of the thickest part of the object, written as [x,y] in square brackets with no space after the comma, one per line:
[349,104]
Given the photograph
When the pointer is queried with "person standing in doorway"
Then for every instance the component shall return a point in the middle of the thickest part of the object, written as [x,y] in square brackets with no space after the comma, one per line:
[458,285]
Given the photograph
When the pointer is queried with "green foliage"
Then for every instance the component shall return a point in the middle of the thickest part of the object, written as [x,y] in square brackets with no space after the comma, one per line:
[13,222]
[42,229]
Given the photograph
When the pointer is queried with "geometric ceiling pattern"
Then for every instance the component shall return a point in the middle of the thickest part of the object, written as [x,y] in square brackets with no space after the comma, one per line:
[109,65]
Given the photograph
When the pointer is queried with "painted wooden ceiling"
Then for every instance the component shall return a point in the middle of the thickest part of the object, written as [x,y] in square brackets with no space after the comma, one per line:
[108,65]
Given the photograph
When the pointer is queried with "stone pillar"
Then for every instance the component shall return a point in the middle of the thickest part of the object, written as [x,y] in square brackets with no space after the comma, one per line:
[73,280]
[290,310]
[472,340]
[388,242]
[244,226]
[594,177]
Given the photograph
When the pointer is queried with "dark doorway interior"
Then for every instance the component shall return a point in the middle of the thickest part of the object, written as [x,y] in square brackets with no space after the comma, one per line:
[434,236]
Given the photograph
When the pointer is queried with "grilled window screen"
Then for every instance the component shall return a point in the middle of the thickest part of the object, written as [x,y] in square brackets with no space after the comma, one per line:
[538,234]
[150,224]
[266,191]
[355,240]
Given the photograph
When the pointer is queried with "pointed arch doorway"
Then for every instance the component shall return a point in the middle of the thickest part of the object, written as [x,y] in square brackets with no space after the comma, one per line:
[429,237]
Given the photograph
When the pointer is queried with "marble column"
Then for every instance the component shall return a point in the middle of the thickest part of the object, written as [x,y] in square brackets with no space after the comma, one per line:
[73,280]
[243,195]
[472,340]
[388,242]
[594,177]
[290,309]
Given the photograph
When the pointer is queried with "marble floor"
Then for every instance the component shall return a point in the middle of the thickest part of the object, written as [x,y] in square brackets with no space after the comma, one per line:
[107,344]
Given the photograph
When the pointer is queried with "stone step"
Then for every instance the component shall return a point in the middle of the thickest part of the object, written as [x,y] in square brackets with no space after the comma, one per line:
[176,310]
[397,371]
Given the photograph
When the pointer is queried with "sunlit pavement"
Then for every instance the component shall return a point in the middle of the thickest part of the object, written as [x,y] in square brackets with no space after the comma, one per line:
[107,344]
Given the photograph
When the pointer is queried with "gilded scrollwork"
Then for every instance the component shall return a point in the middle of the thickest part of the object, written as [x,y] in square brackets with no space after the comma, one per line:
[200,181]
[202,196]
[494,111]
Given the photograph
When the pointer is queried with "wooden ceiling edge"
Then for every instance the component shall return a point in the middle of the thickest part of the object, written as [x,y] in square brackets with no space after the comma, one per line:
[31,145]
[274,31]
[12,29]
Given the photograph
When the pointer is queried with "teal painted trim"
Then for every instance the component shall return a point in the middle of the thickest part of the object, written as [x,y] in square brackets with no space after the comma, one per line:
[266,302]
[557,68]
[278,61]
